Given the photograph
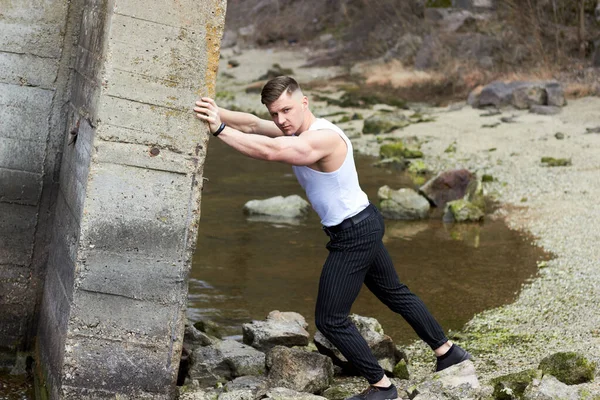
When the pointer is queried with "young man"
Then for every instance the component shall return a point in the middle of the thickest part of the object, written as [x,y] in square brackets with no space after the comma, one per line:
[322,159]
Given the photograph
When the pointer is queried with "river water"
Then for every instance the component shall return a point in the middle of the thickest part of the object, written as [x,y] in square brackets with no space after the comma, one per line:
[245,268]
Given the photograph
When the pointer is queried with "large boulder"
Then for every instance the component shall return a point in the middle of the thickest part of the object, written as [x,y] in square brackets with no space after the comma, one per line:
[522,95]
[447,186]
[568,367]
[299,370]
[292,206]
[528,95]
[496,94]
[555,94]
[224,361]
[550,388]
[381,345]
[457,382]
[279,329]
[403,204]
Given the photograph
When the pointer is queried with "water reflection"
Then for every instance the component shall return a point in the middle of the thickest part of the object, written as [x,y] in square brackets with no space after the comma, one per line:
[244,268]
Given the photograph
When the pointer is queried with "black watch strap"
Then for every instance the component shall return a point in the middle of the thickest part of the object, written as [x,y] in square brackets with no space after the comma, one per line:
[221,127]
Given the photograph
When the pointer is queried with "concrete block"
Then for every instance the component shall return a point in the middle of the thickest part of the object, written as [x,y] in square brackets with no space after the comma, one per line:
[15,288]
[85,95]
[30,11]
[140,156]
[57,300]
[17,227]
[133,122]
[22,155]
[93,24]
[88,63]
[117,317]
[157,50]
[65,230]
[13,323]
[39,39]
[133,275]
[170,13]
[25,69]
[24,112]
[134,209]
[124,367]
[166,93]
[20,187]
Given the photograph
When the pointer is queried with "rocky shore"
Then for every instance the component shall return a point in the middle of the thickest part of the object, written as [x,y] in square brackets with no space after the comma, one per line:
[558,205]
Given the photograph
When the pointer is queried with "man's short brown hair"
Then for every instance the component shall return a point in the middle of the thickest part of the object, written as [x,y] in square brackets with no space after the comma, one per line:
[275,87]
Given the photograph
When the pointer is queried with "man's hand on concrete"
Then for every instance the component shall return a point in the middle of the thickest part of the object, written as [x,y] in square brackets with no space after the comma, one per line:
[207,110]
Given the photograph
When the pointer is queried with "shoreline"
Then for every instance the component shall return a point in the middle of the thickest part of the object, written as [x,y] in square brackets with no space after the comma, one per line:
[556,206]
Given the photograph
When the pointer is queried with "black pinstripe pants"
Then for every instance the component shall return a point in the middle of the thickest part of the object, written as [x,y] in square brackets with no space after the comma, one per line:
[356,256]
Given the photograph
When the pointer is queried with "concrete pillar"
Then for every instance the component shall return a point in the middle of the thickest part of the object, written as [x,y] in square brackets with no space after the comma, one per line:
[36,42]
[128,208]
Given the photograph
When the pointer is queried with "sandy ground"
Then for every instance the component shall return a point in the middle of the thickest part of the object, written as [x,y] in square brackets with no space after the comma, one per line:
[559,310]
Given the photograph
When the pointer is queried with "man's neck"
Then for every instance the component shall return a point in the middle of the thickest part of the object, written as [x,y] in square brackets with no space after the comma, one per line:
[308,121]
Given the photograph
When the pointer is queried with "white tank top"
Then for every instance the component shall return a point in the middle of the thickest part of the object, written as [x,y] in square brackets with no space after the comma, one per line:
[335,195]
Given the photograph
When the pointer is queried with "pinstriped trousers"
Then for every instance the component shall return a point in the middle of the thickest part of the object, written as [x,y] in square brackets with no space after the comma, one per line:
[356,256]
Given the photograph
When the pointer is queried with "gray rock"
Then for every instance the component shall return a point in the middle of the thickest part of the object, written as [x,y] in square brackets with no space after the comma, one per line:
[223,361]
[280,329]
[462,211]
[529,94]
[345,388]
[257,385]
[381,345]
[194,337]
[597,12]
[287,317]
[569,367]
[512,386]
[556,94]
[550,388]
[237,395]
[497,94]
[402,204]
[545,110]
[292,206]
[187,393]
[457,382]
[210,328]
[299,370]
[447,186]
[282,393]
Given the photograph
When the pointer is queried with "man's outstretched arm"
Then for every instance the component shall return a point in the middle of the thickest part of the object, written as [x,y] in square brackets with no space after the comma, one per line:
[243,122]
[306,149]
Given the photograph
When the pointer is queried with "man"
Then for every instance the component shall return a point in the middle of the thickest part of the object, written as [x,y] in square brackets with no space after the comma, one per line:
[322,158]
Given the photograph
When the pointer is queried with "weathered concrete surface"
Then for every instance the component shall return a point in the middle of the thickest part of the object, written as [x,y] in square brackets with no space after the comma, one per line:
[35,52]
[128,206]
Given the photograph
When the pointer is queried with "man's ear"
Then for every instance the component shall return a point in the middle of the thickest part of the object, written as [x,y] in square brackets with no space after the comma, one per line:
[304,103]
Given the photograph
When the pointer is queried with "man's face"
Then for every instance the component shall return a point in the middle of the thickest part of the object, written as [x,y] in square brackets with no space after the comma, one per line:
[288,112]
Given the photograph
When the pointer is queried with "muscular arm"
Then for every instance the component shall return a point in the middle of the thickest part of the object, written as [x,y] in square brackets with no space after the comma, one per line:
[241,121]
[305,149]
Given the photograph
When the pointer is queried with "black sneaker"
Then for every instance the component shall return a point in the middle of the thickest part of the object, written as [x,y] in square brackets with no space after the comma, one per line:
[376,393]
[454,356]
